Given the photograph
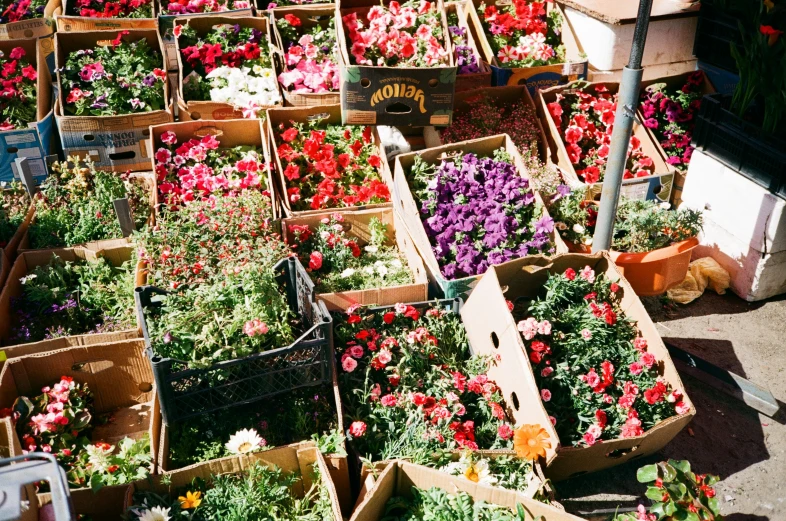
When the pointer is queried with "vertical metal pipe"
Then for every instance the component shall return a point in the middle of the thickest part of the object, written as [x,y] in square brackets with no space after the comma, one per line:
[627,102]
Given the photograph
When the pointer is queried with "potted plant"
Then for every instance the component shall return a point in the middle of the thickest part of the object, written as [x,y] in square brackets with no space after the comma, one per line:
[651,244]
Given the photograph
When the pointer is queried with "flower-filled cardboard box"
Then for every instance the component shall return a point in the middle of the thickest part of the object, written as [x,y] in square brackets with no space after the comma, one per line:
[325,165]
[411,84]
[169,11]
[28,19]
[472,72]
[544,55]
[467,206]
[237,82]
[579,118]
[494,110]
[307,54]
[94,409]
[405,489]
[27,131]
[100,113]
[293,480]
[96,15]
[388,268]
[38,303]
[697,85]
[580,356]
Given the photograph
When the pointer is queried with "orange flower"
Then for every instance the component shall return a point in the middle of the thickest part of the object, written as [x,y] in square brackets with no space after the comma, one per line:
[774,34]
[531,442]
[191,500]
[769,4]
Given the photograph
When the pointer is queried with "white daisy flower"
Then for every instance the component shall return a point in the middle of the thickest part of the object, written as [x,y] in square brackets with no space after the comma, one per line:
[244,441]
[155,514]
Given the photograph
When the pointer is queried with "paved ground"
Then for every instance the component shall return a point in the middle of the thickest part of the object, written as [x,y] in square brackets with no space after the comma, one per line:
[747,450]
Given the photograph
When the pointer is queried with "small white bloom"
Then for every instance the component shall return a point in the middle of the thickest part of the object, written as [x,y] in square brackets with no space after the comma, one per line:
[258,69]
[382,270]
[244,441]
[155,514]
[347,273]
[369,270]
[28,278]
[664,206]
[98,457]
[578,228]
[371,249]
[396,264]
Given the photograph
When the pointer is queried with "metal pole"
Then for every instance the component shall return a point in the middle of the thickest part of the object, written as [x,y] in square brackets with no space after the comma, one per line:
[628,100]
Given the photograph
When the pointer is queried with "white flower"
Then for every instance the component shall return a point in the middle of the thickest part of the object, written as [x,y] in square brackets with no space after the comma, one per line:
[244,441]
[125,445]
[396,264]
[98,457]
[347,273]
[155,514]
[371,249]
[664,205]
[369,270]
[578,228]
[26,279]
[382,270]
[258,69]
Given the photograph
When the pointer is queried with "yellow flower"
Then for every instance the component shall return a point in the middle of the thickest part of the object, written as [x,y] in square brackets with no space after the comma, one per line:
[192,500]
[471,474]
[531,442]
[769,4]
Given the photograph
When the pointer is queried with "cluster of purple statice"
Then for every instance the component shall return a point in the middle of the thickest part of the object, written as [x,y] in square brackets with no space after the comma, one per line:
[466,60]
[478,212]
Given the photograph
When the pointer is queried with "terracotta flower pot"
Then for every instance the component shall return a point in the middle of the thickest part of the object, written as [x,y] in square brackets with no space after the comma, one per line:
[654,272]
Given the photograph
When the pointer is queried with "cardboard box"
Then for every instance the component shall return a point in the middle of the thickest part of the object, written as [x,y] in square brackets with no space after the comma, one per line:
[654,187]
[297,458]
[34,27]
[504,96]
[333,115]
[405,205]
[114,143]
[19,239]
[492,330]
[194,110]
[229,133]
[34,142]
[122,383]
[399,477]
[416,96]
[116,252]
[166,22]
[535,78]
[337,465]
[673,83]
[310,16]
[67,23]
[356,224]
[465,21]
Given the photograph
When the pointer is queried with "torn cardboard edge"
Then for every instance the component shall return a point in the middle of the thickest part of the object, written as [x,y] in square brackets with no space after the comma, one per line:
[198,109]
[663,174]
[122,383]
[331,114]
[229,133]
[399,477]
[295,458]
[404,203]
[356,225]
[115,251]
[492,330]
[506,96]
[310,16]
[33,27]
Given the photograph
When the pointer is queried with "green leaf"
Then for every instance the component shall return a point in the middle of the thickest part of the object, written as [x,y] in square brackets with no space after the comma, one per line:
[447,75]
[669,508]
[647,474]
[714,505]
[654,493]
[81,420]
[669,474]
[352,74]
[681,465]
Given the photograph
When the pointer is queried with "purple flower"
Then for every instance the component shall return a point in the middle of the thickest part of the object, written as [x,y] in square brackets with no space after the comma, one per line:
[544,225]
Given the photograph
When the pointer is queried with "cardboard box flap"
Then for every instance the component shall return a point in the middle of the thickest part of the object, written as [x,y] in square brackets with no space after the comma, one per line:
[117,373]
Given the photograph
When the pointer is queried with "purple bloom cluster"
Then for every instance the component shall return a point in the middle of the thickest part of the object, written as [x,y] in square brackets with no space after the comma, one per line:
[466,60]
[478,212]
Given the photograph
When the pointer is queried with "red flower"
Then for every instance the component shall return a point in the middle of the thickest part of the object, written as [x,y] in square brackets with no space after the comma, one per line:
[772,34]
[389,317]
[293,20]
[570,274]
[374,161]
[291,133]
[315,261]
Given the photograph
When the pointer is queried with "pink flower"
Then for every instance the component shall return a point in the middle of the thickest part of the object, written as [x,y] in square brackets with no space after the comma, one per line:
[504,431]
[255,327]
[545,394]
[357,429]
[546,371]
[640,343]
[681,408]
[587,274]
[586,334]
[384,356]
[636,368]
[388,400]
[356,351]
[528,328]
[349,364]
[544,327]
[648,359]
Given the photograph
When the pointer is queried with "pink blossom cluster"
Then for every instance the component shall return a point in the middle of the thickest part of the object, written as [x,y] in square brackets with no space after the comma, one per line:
[204,6]
[309,70]
[401,35]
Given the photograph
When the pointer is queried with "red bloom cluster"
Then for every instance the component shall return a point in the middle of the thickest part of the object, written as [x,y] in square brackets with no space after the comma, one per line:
[118,9]
[527,17]
[585,119]
[210,56]
[338,166]
[18,94]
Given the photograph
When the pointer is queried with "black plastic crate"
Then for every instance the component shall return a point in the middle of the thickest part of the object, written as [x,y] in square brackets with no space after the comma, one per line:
[715,32]
[184,392]
[740,145]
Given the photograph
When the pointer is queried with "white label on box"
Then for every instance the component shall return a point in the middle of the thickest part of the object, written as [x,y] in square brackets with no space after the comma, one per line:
[23,137]
[37,168]
[636,191]
[32,153]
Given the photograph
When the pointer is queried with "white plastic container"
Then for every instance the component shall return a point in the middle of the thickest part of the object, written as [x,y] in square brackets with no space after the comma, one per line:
[607,45]
[744,230]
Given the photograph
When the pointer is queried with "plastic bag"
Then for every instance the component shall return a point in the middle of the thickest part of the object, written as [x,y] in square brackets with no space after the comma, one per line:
[702,273]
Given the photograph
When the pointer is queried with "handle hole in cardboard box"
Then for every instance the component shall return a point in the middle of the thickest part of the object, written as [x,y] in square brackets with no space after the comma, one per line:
[129,154]
[12,150]
[145,387]
[146,132]
[433,83]
[89,137]
[657,189]
[365,83]
[398,108]
[494,340]
[514,400]
[196,116]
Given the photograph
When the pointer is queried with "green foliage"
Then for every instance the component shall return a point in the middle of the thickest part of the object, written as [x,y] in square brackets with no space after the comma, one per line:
[437,505]
[75,205]
[677,494]
[73,298]
[99,466]
[14,203]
